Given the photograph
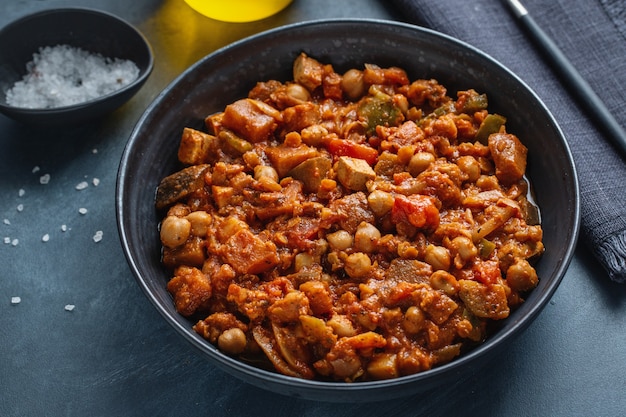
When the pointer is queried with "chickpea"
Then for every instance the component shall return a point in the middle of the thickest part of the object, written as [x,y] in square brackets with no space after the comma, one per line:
[420,162]
[327,185]
[444,281]
[357,265]
[365,237]
[320,247]
[347,366]
[297,92]
[292,139]
[470,166]
[380,202]
[312,135]
[341,325]
[383,366]
[334,260]
[407,250]
[464,247]
[268,184]
[353,85]
[414,320]
[232,341]
[367,321]
[252,158]
[267,171]
[405,153]
[200,222]
[302,260]
[174,231]
[521,276]
[340,240]
[438,257]
[179,210]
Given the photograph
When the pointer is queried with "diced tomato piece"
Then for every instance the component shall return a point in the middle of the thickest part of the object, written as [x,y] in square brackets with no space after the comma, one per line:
[417,210]
[340,147]
[487,272]
[302,234]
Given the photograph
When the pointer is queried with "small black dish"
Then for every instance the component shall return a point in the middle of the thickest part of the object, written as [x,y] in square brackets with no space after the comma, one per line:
[95,31]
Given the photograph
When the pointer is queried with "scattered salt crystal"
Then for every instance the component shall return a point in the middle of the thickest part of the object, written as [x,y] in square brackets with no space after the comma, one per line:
[69,307]
[15,242]
[21,192]
[35,169]
[6,221]
[82,185]
[98,236]
[7,240]
[15,300]
[64,228]
[96,181]
[20,207]
[94,150]
[82,210]
[45,238]
[44,179]
[62,75]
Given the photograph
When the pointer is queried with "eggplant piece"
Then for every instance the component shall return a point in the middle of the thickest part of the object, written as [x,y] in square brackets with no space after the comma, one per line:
[311,172]
[176,186]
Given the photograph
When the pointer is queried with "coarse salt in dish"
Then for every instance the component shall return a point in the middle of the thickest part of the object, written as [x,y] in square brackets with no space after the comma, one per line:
[62,75]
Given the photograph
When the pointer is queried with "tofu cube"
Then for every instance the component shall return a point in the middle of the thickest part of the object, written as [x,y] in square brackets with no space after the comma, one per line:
[353,173]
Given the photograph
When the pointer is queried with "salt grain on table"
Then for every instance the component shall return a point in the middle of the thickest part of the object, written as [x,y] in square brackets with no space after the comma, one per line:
[20,207]
[45,238]
[82,210]
[82,185]
[15,242]
[7,240]
[44,179]
[15,300]
[98,236]
[6,221]
[35,169]
[69,307]
[96,182]
[21,192]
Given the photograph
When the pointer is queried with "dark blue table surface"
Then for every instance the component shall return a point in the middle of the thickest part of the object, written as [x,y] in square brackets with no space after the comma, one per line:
[113,355]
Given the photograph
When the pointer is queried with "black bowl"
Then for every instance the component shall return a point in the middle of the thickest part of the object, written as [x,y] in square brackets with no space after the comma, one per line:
[229,73]
[92,30]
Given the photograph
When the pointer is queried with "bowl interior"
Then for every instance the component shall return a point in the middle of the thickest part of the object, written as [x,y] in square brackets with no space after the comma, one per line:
[92,30]
[229,73]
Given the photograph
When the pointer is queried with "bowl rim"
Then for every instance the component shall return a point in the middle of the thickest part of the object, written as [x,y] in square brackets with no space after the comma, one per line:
[239,368]
[141,77]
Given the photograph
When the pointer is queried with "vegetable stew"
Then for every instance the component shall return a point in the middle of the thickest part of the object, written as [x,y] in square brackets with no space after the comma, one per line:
[349,227]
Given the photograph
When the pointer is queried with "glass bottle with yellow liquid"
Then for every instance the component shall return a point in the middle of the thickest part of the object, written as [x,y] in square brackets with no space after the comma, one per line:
[238,10]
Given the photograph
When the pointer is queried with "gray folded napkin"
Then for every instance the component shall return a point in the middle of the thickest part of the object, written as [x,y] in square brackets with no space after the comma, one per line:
[592,34]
